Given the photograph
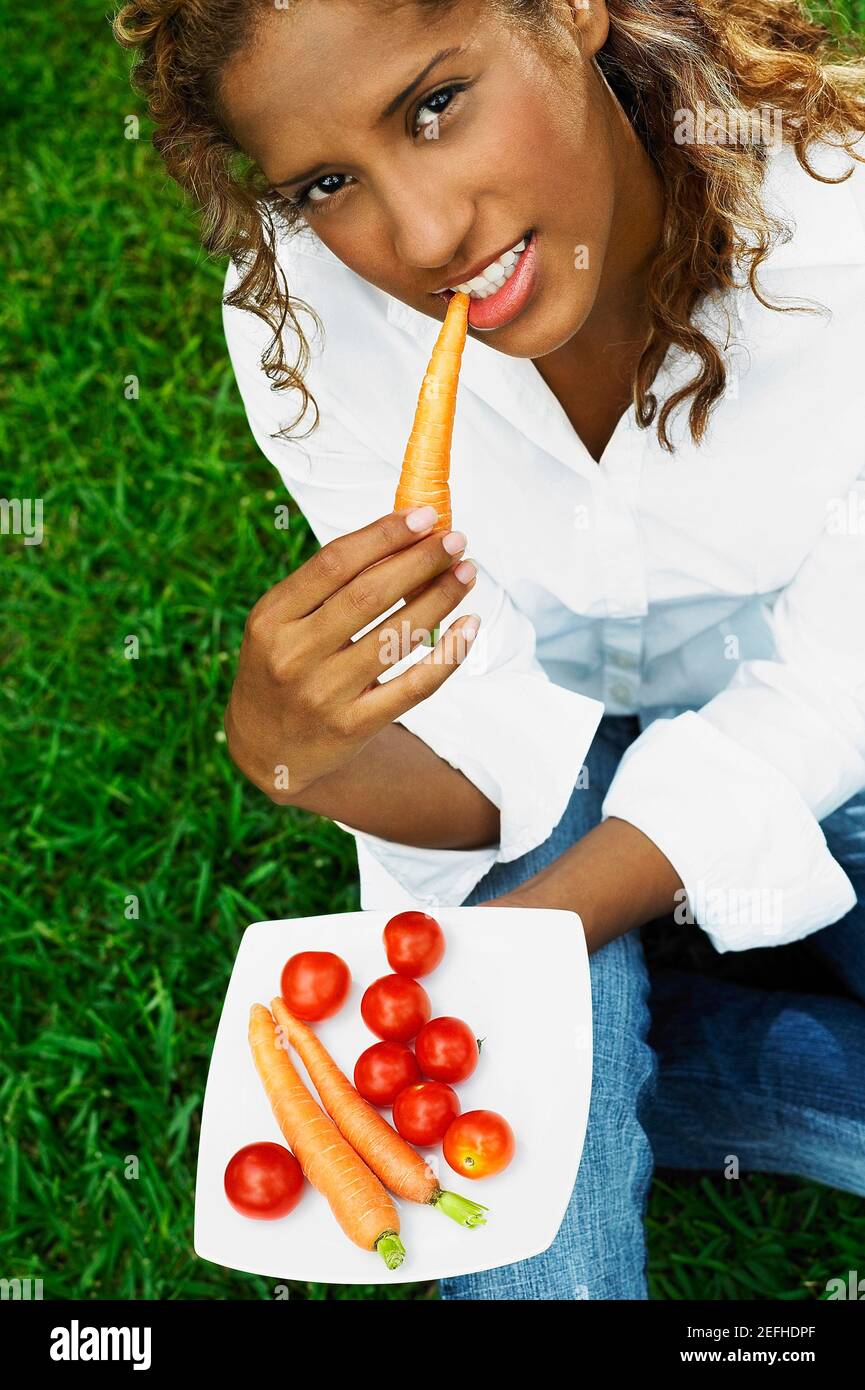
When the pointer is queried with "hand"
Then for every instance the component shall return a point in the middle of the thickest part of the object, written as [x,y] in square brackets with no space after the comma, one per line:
[306,698]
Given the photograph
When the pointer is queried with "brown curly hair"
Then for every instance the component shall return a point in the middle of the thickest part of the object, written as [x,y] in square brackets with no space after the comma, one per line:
[661,57]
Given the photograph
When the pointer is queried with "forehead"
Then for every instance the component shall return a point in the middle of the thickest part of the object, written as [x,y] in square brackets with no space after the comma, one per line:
[320,69]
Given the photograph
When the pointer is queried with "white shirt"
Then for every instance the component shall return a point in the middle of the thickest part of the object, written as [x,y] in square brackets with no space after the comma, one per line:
[728,578]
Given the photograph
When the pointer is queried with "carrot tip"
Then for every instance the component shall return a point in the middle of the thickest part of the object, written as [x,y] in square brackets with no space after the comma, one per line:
[391,1249]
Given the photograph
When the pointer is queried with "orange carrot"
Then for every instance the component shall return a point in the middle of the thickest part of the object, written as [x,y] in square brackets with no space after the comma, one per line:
[387,1153]
[426,465]
[357,1199]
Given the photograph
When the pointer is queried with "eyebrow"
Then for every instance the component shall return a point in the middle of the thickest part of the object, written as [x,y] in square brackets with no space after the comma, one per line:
[388,111]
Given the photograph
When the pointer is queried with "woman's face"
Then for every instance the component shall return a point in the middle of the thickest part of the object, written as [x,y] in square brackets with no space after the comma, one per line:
[413,193]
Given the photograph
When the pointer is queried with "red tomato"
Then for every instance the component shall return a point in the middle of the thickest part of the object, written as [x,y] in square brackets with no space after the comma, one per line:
[263,1181]
[423,1113]
[384,1070]
[479,1144]
[447,1050]
[395,1008]
[315,984]
[414,943]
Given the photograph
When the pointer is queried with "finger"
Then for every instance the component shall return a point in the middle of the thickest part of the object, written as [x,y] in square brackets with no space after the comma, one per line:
[339,561]
[382,585]
[410,626]
[387,700]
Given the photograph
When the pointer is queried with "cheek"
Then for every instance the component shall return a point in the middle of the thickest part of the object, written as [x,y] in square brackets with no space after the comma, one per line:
[554,142]
[580,151]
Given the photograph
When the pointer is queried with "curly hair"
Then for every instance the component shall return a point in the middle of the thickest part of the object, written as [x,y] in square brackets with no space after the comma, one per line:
[662,58]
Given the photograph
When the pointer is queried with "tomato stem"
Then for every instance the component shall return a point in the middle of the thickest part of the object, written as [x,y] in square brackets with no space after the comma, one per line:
[460,1209]
[391,1249]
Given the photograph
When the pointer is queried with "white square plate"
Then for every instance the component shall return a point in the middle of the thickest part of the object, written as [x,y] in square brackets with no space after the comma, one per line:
[520,978]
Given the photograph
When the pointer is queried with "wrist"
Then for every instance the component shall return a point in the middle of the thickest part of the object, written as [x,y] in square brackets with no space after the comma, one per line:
[615,878]
[279,783]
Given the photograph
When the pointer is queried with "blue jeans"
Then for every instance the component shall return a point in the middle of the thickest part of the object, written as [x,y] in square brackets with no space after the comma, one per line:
[691,1067]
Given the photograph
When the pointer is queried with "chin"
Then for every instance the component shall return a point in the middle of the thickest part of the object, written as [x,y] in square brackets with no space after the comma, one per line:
[539,331]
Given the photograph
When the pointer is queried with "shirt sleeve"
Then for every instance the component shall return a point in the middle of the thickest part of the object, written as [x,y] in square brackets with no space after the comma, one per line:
[733,794]
[498,718]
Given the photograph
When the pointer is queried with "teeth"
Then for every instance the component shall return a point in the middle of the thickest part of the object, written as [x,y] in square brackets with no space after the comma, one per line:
[490,280]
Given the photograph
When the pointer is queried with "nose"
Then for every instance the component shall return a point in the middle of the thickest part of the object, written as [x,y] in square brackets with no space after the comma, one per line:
[429,223]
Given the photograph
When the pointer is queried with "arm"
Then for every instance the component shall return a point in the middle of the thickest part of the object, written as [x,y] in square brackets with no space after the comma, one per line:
[502,744]
[734,793]
[377,792]
[614,877]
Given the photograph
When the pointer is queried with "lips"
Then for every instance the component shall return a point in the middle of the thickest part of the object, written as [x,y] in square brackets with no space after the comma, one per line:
[501,308]
[480,267]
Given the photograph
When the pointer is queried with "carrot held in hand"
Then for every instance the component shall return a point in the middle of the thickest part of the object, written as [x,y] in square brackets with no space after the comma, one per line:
[388,1155]
[426,465]
[357,1199]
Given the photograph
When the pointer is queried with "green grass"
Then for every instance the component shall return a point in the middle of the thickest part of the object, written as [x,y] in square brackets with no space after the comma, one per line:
[116,782]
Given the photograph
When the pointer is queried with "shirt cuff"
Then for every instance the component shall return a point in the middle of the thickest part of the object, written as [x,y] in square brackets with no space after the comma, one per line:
[751,855]
[523,741]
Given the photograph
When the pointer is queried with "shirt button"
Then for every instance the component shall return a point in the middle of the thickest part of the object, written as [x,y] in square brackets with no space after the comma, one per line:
[621,691]
[626,660]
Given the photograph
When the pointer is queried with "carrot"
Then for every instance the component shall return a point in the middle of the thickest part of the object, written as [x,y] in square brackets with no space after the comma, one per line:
[426,465]
[357,1199]
[387,1153]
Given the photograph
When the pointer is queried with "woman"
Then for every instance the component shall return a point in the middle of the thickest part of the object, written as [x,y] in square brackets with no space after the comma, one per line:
[658,458]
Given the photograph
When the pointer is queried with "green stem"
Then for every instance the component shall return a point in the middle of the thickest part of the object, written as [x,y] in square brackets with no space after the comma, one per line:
[460,1209]
[391,1249]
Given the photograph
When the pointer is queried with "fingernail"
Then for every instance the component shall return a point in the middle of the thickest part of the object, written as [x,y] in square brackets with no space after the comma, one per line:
[421,519]
[454,542]
[465,571]
[470,627]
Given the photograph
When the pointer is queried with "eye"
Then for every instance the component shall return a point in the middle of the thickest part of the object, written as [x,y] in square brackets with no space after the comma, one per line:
[440,113]
[440,104]
[308,202]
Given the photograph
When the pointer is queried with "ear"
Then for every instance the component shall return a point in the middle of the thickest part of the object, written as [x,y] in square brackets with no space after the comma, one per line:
[589,21]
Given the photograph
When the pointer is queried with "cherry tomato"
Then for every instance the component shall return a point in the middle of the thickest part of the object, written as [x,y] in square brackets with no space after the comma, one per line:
[447,1050]
[414,943]
[384,1070]
[263,1181]
[395,1008]
[422,1113]
[479,1144]
[315,984]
